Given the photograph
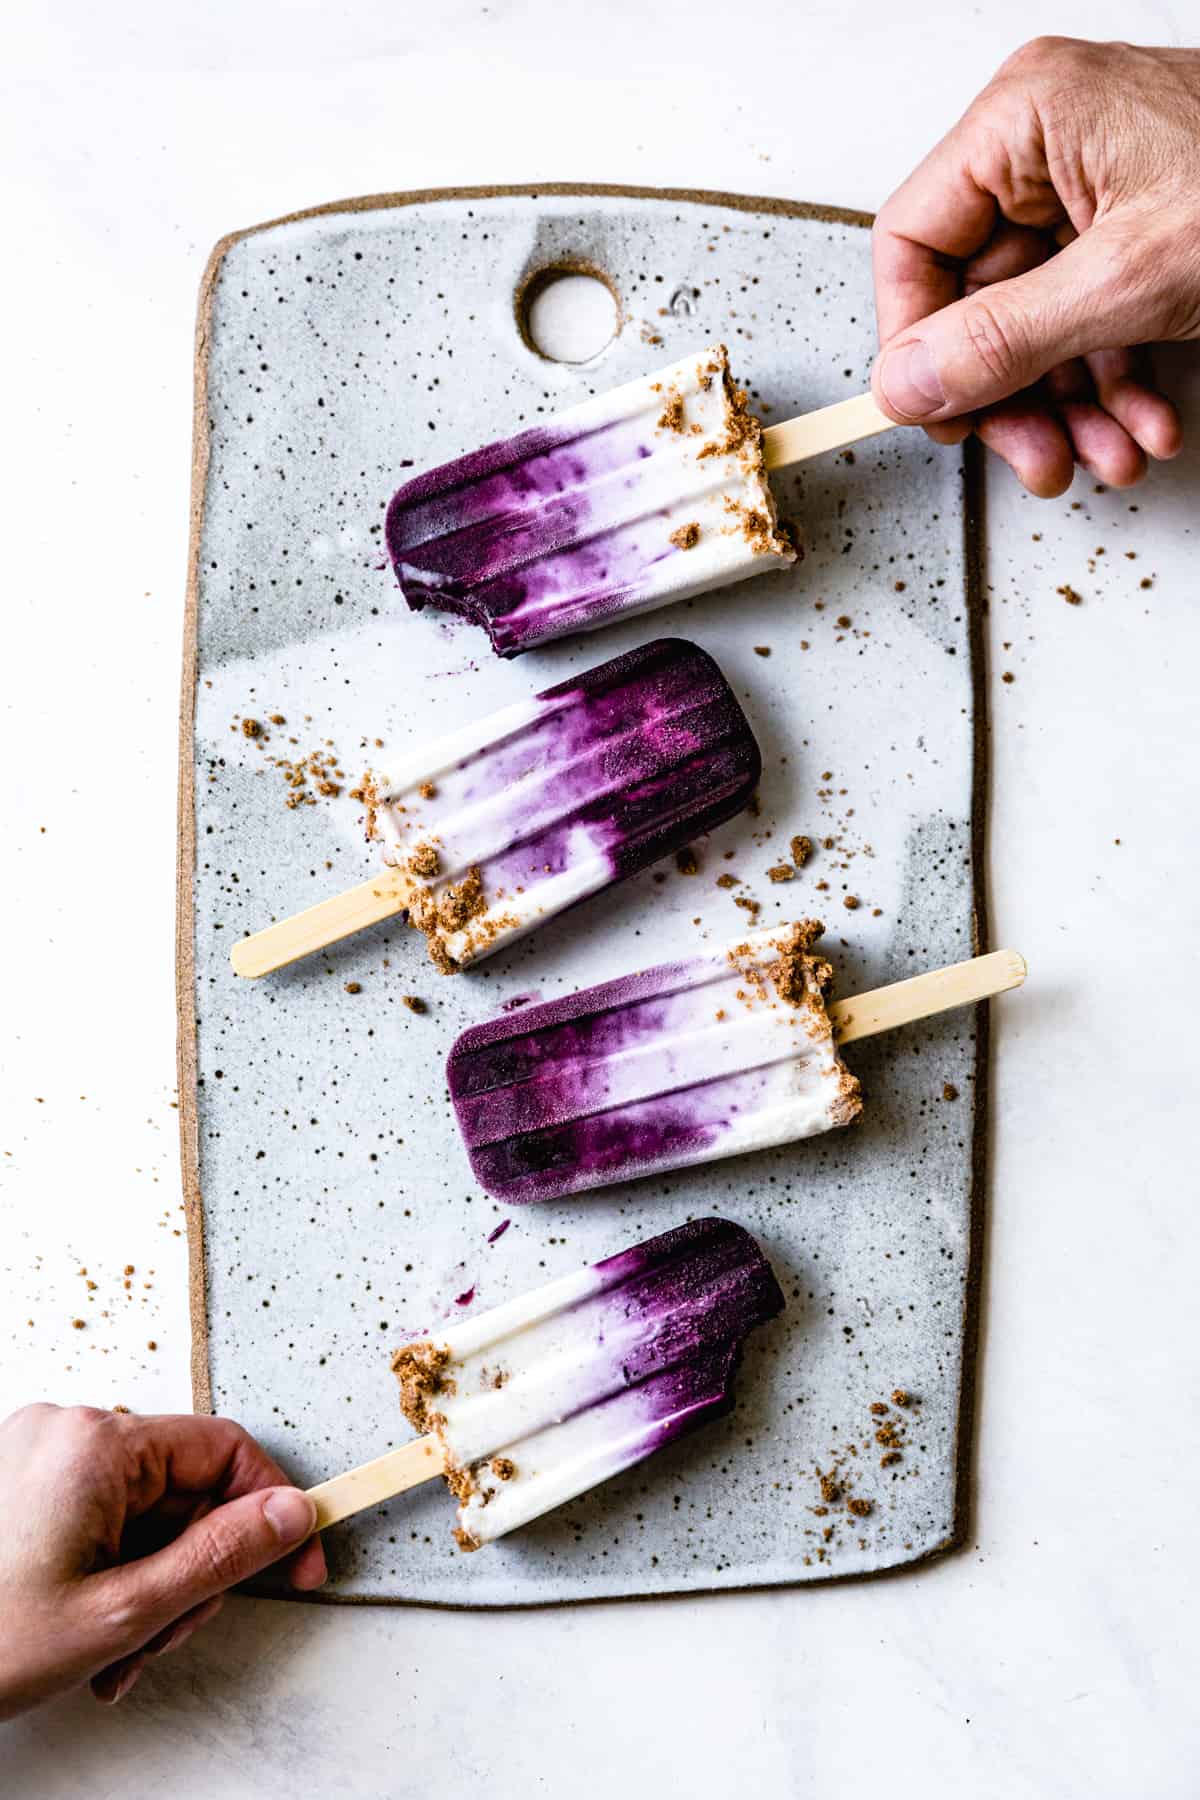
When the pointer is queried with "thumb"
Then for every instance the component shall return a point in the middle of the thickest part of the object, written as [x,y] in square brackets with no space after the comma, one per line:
[1005,337]
[228,1545]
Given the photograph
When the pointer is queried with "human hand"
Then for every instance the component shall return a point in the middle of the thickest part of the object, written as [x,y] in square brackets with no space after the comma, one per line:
[121,1534]
[1023,267]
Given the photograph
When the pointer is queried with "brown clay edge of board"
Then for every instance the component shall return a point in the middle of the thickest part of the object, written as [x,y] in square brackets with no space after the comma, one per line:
[185,958]
[185,922]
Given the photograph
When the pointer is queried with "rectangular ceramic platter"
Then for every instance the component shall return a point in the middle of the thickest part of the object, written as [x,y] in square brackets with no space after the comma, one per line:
[339,1215]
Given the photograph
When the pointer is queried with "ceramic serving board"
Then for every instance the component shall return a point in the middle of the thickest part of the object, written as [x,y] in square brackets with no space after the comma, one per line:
[332,1209]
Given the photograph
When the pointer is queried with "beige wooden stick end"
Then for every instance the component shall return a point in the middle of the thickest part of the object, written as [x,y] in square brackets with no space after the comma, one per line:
[377,1481]
[326,923]
[939,990]
[830,428]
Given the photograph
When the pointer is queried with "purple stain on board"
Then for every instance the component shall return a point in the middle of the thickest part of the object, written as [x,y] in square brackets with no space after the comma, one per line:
[520,1000]
[465,1299]
[499,1232]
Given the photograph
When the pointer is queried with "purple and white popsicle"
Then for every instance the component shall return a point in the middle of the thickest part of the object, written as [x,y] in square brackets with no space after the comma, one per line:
[549,1394]
[508,821]
[722,1053]
[645,495]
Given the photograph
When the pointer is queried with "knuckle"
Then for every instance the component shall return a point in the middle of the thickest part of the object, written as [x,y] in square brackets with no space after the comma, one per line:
[90,1416]
[122,1617]
[995,339]
[1045,52]
[35,1411]
[218,1555]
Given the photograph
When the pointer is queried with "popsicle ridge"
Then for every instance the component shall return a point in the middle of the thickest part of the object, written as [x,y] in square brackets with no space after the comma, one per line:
[546,1395]
[724,1052]
[652,492]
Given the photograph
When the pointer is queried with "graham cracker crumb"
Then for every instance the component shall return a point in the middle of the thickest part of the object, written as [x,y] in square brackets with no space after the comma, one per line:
[425,863]
[414,1003]
[503,1468]
[802,848]
[419,1370]
[782,872]
[687,537]
[671,416]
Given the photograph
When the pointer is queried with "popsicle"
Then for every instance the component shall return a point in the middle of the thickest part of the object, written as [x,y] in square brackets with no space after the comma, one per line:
[633,499]
[510,820]
[720,1053]
[531,1403]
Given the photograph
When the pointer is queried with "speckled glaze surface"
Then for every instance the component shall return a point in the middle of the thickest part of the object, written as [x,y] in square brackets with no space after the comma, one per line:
[342,351]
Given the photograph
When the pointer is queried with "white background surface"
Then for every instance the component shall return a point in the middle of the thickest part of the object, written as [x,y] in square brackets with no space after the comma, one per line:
[1056,1655]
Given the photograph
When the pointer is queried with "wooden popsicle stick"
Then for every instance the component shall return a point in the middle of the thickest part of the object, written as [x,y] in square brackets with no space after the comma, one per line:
[372,1483]
[830,428]
[368,903]
[864,1015]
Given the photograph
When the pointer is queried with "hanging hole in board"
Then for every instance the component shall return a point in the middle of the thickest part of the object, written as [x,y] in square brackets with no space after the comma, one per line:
[568,312]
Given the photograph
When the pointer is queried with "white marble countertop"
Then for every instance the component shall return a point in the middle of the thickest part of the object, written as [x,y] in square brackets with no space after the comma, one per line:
[1057,1653]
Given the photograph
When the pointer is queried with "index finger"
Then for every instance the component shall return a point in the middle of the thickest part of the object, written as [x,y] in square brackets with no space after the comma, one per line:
[933,222]
[192,1454]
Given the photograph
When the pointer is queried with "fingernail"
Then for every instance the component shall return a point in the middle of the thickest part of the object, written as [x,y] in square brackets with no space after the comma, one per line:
[180,1635]
[909,380]
[290,1514]
[126,1682]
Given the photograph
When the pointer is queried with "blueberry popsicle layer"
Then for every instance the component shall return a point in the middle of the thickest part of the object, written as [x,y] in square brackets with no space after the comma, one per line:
[636,498]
